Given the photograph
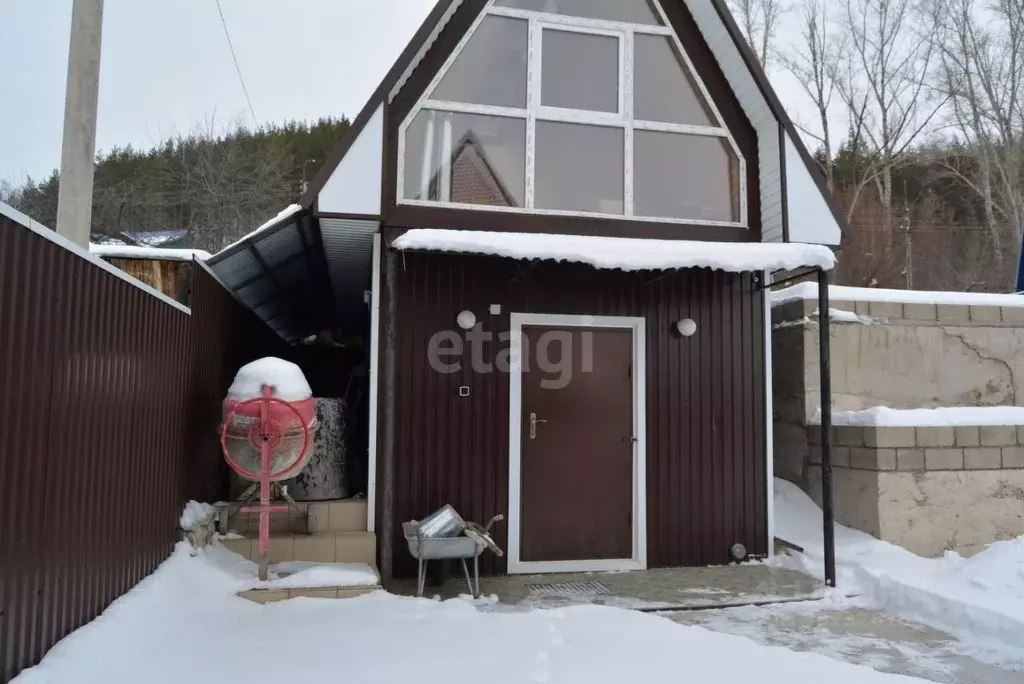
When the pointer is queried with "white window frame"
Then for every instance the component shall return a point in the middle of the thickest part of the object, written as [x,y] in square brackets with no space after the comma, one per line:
[535,111]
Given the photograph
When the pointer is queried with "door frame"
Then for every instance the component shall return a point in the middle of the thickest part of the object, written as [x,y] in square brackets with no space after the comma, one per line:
[515,409]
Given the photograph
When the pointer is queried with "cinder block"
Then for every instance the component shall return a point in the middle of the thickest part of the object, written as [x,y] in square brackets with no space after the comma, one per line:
[998,435]
[910,459]
[986,314]
[862,308]
[953,313]
[886,459]
[841,457]
[968,436]
[886,310]
[944,459]
[1013,457]
[1013,315]
[873,459]
[890,437]
[1020,436]
[936,437]
[849,436]
[920,312]
[982,458]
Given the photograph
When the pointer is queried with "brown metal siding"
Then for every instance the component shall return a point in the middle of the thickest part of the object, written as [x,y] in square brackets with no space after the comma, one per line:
[705,397]
[108,406]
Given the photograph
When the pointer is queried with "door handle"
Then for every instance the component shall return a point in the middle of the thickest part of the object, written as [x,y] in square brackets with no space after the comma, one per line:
[533,425]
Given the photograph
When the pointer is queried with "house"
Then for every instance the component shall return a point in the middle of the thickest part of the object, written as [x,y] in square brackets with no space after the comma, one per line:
[165,269]
[552,227]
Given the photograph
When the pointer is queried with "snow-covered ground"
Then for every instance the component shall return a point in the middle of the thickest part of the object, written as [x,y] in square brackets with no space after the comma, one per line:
[857,631]
[978,599]
[184,624]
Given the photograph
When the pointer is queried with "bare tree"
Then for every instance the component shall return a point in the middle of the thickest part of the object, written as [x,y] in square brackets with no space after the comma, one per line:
[884,87]
[814,62]
[759,21]
[981,49]
[226,188]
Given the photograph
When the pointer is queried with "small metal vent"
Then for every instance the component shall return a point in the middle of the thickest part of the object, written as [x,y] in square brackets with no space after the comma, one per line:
[568,589]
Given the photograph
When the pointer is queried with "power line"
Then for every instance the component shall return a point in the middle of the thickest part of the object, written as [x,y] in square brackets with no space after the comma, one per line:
[238,68]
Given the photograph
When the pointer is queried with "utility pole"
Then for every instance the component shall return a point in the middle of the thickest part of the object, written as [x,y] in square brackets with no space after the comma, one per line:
[908,270]
[77,164]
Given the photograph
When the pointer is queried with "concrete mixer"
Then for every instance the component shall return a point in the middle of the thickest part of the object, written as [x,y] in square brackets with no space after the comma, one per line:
[267,434]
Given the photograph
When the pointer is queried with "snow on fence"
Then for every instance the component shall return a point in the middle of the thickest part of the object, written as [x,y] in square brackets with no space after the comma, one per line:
[109,400]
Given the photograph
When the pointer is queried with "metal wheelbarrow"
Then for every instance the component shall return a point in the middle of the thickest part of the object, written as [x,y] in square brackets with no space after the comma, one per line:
[472,542]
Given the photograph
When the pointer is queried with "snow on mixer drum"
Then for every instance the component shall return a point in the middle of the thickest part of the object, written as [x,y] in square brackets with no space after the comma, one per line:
[289,430]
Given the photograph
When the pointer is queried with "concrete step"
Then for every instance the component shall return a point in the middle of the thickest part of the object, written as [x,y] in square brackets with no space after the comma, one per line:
[347,515]
[276,595]
[320,547]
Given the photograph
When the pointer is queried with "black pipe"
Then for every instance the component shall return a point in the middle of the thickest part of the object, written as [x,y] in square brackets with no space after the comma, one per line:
[827,506]
[386,481]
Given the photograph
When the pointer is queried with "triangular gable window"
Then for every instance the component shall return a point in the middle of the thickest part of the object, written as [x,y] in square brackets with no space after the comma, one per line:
[629,11]
[573,107]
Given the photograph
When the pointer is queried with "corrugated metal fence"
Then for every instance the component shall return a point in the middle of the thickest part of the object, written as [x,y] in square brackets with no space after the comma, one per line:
[109,400]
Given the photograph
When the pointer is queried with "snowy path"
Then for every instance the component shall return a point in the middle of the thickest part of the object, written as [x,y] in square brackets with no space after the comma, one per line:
[853,631]
[183,624]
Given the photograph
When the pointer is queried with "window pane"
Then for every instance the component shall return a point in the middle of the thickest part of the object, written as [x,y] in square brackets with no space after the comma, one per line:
[580,71]
[685,176]
[664,89]
[491,69]
[633,11]
[580,168]
[466,158]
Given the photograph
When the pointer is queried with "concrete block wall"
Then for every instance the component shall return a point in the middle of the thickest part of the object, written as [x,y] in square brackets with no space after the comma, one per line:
[907,449]
[929,489]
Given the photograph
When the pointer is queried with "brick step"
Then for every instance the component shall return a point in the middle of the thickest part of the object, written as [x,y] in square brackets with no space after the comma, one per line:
[320,547]
[347,515]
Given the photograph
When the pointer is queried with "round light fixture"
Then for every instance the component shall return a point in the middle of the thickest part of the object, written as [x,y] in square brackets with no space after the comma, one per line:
[687,327]
[738,552]
[466,320]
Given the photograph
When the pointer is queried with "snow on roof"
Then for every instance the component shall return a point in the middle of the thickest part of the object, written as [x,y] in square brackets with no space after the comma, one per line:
[882,416]
[155,253]
[839,293]
[285,213]
[627,254]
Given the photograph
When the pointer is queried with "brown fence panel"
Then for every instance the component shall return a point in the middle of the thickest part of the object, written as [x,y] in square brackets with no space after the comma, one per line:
[109,401]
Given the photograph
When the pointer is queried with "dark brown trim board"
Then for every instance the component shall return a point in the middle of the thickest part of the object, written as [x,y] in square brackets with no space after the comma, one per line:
[473,219]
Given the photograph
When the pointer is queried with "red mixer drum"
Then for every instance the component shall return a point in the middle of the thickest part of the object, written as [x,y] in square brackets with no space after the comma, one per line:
[289,429]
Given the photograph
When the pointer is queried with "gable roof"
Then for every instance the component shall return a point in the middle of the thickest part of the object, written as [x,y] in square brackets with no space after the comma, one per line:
[438,19]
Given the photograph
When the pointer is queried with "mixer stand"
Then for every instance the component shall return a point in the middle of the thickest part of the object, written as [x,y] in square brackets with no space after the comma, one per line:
[277,490]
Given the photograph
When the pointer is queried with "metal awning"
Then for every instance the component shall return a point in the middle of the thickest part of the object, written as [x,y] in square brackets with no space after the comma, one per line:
[302,275]
[279,273]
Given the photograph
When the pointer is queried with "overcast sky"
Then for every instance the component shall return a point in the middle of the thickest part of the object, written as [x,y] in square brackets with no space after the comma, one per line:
[166,66]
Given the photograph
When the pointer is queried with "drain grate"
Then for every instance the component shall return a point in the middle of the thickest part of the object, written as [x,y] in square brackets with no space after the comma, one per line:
[568,589]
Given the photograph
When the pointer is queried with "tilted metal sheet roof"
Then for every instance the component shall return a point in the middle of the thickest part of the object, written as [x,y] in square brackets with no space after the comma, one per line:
[303,276]
[348,248]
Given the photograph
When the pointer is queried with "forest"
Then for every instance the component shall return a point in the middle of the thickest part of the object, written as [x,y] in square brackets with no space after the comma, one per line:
[918,127]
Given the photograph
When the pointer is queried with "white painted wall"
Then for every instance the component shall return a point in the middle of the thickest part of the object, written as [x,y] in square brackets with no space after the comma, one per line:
[810,218]
[355,186]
